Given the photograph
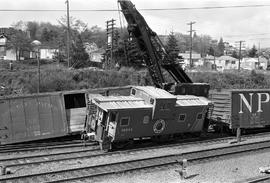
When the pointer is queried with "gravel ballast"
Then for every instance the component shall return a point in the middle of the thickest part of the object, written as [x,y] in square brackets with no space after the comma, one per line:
[220,171]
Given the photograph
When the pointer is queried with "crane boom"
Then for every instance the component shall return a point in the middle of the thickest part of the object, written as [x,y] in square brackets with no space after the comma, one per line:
[155,55]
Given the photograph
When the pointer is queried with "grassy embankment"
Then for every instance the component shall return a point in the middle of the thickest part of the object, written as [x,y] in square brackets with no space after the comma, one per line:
[24,78]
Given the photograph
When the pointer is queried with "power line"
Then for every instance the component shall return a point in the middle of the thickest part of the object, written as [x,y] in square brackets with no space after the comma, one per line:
[242,35]
[143,9]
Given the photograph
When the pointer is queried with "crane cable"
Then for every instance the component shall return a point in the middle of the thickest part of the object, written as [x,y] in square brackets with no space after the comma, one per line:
[120,20]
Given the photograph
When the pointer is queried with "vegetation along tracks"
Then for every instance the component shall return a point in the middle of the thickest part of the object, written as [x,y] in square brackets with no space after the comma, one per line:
[71,175]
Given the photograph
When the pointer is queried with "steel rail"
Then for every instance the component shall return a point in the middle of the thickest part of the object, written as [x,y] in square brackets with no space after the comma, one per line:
[265,178]
[32,160]
[95,152]
[137,164]
[46,158]
[45,147]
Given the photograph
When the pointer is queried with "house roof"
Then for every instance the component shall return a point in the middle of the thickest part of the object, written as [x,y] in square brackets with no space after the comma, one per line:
[209,57]
[187,56]
[226,57]
[247,59]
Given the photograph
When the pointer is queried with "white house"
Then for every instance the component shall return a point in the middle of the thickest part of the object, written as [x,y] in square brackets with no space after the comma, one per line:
[48,53]
[226,62]
[209,61]
[254,63]
[196,58]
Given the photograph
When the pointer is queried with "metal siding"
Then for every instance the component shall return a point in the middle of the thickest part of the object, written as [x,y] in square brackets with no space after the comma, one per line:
[76,118]
[222,105]
[120,102]
[191,124]
[5,122]
[19,129]
[32,116]
[45,115]
[136,124]
[59,119]
[155,92]
[253,118]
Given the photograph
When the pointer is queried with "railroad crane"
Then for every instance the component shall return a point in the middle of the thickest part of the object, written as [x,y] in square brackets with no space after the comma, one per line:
[156,57]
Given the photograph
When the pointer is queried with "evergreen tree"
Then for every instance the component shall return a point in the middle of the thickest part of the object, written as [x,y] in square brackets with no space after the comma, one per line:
[235,55]
[211,51]
[221,47]
[253,52]
[172,46]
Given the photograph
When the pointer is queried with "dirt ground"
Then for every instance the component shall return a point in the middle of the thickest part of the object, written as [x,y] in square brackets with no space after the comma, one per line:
[218,171]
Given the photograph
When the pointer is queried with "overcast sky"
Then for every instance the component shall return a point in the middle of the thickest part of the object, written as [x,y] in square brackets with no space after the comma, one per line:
[250,24]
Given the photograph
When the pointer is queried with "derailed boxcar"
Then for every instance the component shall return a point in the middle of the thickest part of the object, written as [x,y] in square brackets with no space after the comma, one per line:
[32,117]
[147,112]
[241,108]
[75,104]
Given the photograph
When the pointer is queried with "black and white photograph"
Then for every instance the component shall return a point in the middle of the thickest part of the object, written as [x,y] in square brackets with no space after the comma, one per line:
[134,91]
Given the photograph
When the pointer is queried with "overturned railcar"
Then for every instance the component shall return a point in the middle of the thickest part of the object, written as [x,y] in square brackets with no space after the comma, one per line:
[148,112]
[32,117]
[46,115]
[240,108]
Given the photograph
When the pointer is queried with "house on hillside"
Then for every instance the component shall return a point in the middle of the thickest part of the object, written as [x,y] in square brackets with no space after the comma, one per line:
[254,63]
[226,62]
[196,58]
[209,61]
[48,52]
[6,54]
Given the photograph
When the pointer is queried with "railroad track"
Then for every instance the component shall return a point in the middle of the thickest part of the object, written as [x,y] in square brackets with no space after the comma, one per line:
[43,146]
[92,152]
[259,179]
[34,160]
[71,175]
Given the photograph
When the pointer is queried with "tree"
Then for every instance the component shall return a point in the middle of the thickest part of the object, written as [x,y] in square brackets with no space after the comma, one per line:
[211,51]
[253,52]
[19,41]
[172,46]
[32,27]
[234,54]
[221,47]
[79,55]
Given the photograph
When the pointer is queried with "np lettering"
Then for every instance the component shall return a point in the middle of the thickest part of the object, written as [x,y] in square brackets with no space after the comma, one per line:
[262,98]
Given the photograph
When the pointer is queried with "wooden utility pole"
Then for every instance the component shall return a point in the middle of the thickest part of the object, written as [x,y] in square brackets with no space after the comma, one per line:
[191,43]
[240,49]
[259,51]
[68,35]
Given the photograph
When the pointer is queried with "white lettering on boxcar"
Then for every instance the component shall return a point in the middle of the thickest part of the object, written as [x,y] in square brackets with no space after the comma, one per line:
[243,99]
[249,104]
[260,100]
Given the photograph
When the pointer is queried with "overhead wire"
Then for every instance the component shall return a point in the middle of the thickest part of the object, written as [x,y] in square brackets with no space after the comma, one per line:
[142,9]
